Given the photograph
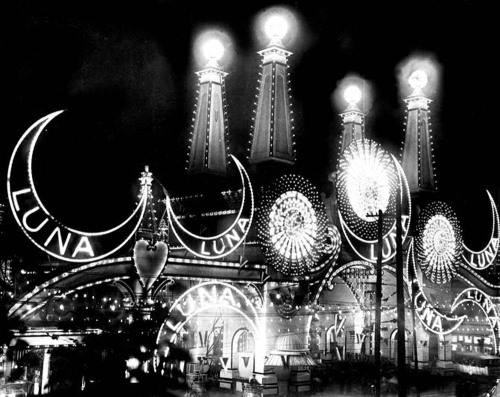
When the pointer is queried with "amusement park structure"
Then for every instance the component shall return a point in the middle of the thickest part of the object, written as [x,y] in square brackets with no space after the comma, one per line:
[269,278]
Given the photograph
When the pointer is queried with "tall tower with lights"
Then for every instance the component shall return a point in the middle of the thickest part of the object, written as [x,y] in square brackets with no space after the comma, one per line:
[208,141]
[418,159]
[353,119]
[272,137]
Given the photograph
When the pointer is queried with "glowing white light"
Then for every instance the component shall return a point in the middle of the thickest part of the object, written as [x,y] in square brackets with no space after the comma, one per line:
[367,183]
[292,225]
[213,49]
[276,26]
[418,79]
[352,94]
[132,363]
[368,187]
[438,242]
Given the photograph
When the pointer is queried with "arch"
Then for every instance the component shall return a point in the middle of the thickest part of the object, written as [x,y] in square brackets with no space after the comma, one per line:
[393,344]
[211,295]
[125,289]
[234,345]
[160,286]
[74,279]
[234,341]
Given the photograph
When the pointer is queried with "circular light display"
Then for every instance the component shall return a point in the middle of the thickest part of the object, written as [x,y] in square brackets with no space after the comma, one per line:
[352,94]
[292,226]
[334,241]
[438,242]
[213,49]
[366,183]
[276,26]
[418,79]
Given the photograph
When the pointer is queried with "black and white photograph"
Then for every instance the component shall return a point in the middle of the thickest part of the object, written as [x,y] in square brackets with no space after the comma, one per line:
[249,198]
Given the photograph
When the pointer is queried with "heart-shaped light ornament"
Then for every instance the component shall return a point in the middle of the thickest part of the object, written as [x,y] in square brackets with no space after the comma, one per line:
[149,261]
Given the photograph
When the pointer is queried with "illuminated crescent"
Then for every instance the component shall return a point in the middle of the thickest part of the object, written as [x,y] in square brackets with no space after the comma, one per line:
[226,242]
[366,249]
[431,318]
[485,303]
[45,231]
[480,260]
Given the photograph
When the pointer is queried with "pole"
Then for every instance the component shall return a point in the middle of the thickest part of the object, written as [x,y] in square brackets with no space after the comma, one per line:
[400,297]
[378,303]
[415,349]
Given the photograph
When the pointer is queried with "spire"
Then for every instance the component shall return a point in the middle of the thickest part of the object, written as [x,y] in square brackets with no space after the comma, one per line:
[353,119]
[208,142]
[148,228]
[418,160]
[272,137]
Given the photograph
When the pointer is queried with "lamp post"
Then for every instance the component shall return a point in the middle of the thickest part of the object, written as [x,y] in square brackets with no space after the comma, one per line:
[401,353]
[400,298]
[378,301]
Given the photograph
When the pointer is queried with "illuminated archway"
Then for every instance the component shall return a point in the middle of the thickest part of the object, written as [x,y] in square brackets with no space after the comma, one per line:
[207,296]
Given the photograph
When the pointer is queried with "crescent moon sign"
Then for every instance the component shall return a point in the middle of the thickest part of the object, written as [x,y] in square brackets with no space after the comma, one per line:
[480,260]
[43,229]
[226,242]
[367,249]
[431,318]
[478,297]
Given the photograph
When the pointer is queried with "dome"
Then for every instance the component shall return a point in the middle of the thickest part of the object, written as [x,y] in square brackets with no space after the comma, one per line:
[289,342]
[289,351]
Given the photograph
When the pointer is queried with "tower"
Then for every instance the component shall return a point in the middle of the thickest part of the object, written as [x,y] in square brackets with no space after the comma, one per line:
[208,142]
[272,137]
[353,119]
[418,160]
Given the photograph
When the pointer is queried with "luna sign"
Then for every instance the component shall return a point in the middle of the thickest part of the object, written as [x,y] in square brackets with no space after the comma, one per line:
[224,243]
[431,318]
[365,248]
[42,228]
[479,298]
[481,260]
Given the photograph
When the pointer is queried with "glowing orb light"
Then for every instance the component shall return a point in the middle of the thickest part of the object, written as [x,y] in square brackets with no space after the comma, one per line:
[352,94]
[438,242]
[213,49]
[366,183]
[292,226]
[276,26]
[418,79]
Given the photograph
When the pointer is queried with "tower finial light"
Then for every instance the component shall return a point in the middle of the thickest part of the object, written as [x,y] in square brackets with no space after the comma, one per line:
[418,80]
[213,49]
[352,95]
[276,26]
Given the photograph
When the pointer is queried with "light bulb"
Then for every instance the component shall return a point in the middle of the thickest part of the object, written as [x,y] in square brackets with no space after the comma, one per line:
[352,94]
[276,26]
[213,49]
[418,79]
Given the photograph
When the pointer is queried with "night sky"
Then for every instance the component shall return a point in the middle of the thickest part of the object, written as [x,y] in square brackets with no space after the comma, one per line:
[123,70]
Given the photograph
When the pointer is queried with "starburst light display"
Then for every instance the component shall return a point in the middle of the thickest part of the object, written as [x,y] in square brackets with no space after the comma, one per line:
[366,183]
[438,242]
[292,226]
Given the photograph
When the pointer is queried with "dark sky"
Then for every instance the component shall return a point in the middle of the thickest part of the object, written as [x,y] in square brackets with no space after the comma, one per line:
[124,72]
